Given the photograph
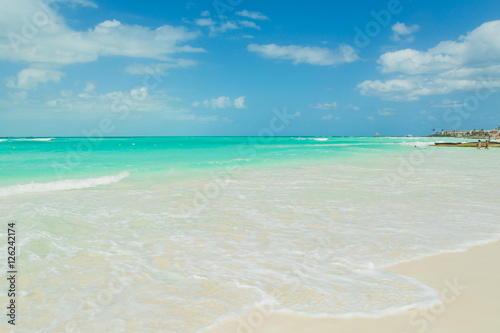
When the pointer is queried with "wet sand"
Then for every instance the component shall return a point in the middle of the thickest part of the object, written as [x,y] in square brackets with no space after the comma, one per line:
[469,288]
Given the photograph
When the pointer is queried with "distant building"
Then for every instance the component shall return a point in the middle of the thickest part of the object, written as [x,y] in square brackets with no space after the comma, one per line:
[494,133]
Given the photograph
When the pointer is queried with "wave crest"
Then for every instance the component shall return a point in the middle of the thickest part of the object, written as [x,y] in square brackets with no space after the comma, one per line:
[62,185]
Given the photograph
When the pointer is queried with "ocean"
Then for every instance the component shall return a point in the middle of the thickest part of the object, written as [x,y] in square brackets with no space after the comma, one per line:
[176,234]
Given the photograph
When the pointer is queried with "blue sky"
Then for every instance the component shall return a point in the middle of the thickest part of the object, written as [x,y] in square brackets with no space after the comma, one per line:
[229,67]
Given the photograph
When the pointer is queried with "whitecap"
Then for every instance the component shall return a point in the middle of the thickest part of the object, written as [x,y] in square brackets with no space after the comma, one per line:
[62,185]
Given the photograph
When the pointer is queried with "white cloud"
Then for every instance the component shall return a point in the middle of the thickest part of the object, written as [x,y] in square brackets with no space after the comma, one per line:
[446,103]
[416,62]
[217,27]
[239,102]
[223,27]
[90,87]
[252,15]
[325,106]
[204,22]
[132,102]
[57,44]
[327,117]
[480,47]
[401,29]
[408,88]
[145,69]
[352,107]
[471,62]
[31,77]
[386,112]
[222,102]
[249,24]
[139,94]
[305,54]
[83,3]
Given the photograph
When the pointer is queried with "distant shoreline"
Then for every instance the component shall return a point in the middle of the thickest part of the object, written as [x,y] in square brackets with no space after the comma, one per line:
[465,144]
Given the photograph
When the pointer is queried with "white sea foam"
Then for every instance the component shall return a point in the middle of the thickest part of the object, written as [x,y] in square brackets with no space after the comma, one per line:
[418,143]
[27,139]
[42,139]
[61,185]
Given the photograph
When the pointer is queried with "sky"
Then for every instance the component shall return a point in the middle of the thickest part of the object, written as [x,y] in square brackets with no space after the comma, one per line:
[240,67]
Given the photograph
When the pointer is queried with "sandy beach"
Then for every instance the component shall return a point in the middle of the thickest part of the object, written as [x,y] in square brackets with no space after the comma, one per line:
[467,281]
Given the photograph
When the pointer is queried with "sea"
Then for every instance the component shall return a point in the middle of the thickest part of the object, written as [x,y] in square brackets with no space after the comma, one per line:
[177,234]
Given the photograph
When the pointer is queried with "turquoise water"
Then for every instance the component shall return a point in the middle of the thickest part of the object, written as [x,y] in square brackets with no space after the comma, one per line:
[176,234]
[49,159]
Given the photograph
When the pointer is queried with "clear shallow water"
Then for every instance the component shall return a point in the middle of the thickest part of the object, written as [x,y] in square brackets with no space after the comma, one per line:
[175,234]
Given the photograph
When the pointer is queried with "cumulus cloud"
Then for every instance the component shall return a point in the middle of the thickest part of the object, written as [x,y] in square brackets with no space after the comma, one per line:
[132,102]
[239,102]
[386,112]
[351,107]
[204,22]
[447,104]
[402,30]
[304,54]
[252,15]
[222,102]
[325,106]
[216,28]
[31,77]
[470,62]
[249,24]
[416,62]
[54,42]
[412,88]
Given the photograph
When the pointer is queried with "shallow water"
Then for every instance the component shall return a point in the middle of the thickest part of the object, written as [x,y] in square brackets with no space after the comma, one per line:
[175,234]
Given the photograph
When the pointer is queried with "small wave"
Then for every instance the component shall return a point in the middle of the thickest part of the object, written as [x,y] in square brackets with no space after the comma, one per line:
[34,139]
[62,185]
[418,144]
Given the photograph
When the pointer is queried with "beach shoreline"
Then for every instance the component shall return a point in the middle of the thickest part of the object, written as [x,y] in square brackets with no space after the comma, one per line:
[466,281]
